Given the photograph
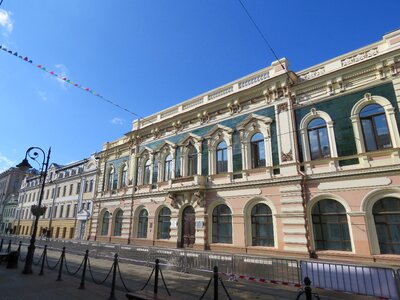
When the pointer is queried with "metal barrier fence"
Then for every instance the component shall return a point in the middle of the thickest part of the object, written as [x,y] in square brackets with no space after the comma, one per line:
[370,281]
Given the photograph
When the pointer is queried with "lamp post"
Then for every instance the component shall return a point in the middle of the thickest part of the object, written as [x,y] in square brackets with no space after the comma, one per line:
[37,210]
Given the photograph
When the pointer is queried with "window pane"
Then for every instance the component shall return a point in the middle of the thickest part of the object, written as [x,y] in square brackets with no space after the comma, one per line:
[369,136]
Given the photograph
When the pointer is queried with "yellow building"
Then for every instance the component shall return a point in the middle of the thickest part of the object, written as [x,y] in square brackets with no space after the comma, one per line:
[68,196]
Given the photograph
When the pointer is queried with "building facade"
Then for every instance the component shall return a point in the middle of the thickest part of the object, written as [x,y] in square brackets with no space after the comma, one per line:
[276,163]
[10,183]
[68,196]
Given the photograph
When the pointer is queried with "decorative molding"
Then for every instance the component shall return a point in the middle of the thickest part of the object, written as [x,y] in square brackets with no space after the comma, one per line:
[203,117]
[282,107]
[242,192]
[254,80]
[287,156]
[312,74]
[359,57]
[234,107]
[177,126]
[156,133]
[356,183]
[221,93]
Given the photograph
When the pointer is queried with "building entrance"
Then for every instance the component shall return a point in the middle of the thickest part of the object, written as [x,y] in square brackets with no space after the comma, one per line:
[188,227]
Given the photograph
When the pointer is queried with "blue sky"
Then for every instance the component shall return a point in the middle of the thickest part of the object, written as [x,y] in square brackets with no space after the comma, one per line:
[149,55]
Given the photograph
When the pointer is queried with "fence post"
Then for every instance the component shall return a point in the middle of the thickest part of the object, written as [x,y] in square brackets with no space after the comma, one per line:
[156,276]
[19,247]
[215,275]
[44,258]
[82,285]
[9,247]
[61,264]
[115,265]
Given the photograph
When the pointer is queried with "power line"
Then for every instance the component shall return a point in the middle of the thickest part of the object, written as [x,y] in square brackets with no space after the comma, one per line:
[263,36]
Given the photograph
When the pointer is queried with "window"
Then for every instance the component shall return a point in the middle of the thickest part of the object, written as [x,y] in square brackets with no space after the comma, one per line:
[61,211]
[262,232]
[58,191]
[71,187]
[257,151]
[52,192]
[67,210]
[387,222]
[222,158]
[374,127]
[110,179]
[75,210]
[105,223]
[49,212]
[118,223]
[164,223]
[318,139]
[85,186]
[124,174]
[192,161]
[222,225]
[142,224]
[168,168]
[78,188]
[55,212]
[64,190]
[47,193]
[146,172]
[88,206]
[331,230]
[91,185]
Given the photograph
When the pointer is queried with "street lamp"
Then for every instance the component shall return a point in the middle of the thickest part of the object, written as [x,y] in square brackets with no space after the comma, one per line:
[37,210]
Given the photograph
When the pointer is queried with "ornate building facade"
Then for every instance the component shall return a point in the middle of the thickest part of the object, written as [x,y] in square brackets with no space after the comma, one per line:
[276,163]
[68,197]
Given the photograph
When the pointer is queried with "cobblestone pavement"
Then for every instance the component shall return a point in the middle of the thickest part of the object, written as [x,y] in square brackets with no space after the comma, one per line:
[15,285]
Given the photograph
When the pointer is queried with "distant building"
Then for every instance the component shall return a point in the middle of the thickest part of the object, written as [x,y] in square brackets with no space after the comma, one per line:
[68,196]
[10,182]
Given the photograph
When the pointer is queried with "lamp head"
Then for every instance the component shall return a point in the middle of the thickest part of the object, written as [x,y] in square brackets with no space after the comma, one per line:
[24,165]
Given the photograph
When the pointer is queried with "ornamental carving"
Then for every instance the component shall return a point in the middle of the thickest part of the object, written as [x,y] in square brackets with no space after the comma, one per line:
[198,196]
[203,117]
[287,156]
[177,126]
[234,107]
[282,107]
[312,74]
[156,133]
[359,57]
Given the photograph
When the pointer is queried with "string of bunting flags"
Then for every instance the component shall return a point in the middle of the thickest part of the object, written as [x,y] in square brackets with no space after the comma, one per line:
[67,80]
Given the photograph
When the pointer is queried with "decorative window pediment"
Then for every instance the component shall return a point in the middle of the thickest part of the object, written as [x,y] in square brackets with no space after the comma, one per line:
[253,119]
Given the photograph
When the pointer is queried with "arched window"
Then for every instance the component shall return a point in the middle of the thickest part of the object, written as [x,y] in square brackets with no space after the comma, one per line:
[192,161]
[110,179]
[262,232]
[146,172]
[168,167]
[142,224]
[118,223]
[257,151]
[222,157]
[222,225]
[331,230]
[318,139]
[164,223]
[124,176]
[387,222]
[105,223]
[374,127]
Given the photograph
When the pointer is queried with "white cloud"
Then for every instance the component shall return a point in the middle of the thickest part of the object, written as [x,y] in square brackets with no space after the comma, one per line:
[62,71]
[117,121]
[43,95]
[6,22]
[5,163]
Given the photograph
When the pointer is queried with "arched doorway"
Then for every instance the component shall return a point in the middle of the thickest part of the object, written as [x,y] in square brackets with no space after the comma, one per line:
[188,227]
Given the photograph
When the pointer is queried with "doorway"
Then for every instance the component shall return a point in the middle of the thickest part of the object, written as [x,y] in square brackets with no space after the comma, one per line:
[188,227]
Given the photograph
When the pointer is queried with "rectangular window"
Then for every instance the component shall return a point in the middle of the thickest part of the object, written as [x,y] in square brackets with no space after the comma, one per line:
[88,206]
[71,232]
[61,211]
[91,186]
[55,211]
[49,212]
[67,210]
[75,209]
[82,205]
[85,186]
[58,191]
[78,188]
[47,193]
[64,190]
[71,187]
[52,193]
